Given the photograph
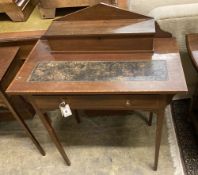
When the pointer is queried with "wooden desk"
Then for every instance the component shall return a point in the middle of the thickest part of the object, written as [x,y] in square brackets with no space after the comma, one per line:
[13,103]
[192,46]
[119,66]
[45,85]
[17,10]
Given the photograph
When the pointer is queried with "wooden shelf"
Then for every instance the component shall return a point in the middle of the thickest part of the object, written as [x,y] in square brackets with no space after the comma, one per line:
[93,30]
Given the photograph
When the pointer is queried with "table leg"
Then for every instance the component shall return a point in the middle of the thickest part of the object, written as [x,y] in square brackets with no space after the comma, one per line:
[160,119]
[150,118]
[76,114]
[51,131]
[21,121]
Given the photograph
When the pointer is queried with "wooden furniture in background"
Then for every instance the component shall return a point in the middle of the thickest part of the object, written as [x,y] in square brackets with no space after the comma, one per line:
[17,10]
[25,41]
[15,104]
[48,7]
[103,69]
[192,46]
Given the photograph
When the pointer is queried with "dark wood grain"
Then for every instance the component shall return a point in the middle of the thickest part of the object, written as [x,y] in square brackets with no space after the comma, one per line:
[102,12]
[21,36]
[109,44]
[101,102]
[120,31]
[102,27]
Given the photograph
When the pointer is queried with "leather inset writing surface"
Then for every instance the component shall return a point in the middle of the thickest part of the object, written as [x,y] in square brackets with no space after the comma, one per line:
[154,70]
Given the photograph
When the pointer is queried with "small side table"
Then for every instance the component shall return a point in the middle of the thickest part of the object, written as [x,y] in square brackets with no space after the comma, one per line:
[192,46]
[6,62]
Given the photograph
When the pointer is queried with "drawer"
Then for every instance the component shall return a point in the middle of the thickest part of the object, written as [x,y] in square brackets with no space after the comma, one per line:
[118,102]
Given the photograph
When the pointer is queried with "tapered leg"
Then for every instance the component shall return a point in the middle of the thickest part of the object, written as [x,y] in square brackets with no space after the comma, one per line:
[150,118]
[21,121]
[160,119]
[77,116]
[47,118]
[50,129]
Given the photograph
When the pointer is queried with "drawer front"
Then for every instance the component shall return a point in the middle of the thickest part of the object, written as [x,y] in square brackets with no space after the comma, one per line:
[100,101]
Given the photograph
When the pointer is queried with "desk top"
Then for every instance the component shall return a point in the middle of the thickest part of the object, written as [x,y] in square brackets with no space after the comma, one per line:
[7,56]
[192,44]
[45,72]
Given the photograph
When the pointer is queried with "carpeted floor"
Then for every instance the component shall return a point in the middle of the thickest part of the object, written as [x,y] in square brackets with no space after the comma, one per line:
[187,140]
[107,145]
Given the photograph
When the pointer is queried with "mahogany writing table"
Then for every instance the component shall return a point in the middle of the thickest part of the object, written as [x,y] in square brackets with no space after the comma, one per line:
[93,60]
[46,79]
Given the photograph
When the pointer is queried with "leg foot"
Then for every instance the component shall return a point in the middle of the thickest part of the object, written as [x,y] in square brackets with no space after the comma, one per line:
[160,119]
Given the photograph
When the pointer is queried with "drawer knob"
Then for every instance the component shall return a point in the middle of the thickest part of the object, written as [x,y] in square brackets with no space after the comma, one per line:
[128,103]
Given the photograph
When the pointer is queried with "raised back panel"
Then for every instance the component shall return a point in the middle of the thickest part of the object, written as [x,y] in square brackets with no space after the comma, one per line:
[102,12]
[101,28]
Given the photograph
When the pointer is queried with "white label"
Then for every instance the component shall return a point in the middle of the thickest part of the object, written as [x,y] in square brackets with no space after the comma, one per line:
[65,109]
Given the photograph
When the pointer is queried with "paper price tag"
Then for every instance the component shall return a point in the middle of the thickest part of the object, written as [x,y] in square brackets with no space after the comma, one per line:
[65,109]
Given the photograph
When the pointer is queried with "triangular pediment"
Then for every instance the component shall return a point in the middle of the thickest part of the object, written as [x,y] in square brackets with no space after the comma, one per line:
[102,11]
[101,19]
